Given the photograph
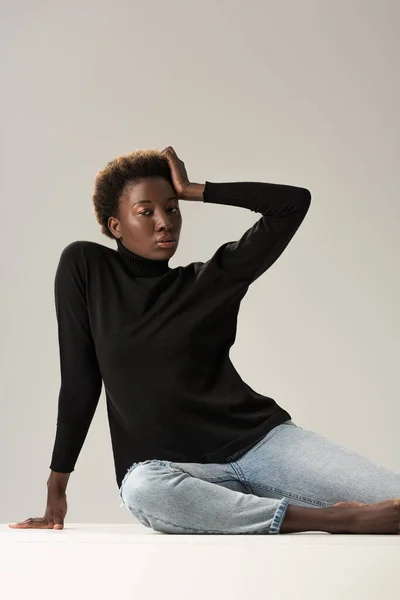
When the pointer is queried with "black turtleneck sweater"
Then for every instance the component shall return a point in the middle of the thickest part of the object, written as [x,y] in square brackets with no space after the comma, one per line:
[159,340]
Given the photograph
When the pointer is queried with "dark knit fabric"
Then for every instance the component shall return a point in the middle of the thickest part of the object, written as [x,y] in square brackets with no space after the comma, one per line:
[159,340]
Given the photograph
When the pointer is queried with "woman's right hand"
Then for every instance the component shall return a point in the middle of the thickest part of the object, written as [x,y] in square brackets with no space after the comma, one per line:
[54,516]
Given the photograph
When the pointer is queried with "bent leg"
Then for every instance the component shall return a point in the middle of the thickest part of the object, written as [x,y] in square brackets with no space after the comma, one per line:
[311,470]
[194,498]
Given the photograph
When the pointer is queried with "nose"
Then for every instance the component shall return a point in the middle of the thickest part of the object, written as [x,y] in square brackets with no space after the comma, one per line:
[164,223]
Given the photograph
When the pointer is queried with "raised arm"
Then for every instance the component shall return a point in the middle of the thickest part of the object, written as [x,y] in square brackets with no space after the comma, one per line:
[283,208]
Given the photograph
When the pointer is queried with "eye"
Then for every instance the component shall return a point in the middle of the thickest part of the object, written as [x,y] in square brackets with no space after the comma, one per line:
[150,211]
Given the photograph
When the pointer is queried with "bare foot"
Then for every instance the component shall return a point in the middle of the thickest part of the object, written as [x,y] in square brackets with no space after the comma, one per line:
[382,517]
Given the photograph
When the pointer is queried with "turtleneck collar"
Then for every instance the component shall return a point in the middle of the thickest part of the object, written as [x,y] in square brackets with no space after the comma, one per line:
[139,266]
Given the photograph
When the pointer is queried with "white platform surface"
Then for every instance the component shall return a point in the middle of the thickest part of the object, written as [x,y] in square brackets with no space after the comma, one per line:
[131,561]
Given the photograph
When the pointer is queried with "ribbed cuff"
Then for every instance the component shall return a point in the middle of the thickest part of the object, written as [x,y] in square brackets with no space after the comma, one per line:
[227,193]
[272,199]
[67,446]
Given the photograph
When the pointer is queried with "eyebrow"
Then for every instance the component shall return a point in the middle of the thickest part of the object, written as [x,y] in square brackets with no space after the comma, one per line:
[150,202]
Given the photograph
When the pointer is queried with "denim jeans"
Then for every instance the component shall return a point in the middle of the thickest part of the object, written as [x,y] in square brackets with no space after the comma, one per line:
[249,494]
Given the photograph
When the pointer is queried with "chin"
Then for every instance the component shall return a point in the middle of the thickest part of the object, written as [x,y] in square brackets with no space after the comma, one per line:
[163,253]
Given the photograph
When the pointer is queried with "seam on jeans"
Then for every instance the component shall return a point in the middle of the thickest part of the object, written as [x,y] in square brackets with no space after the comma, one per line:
[241,477]
[283,493]
[293,496]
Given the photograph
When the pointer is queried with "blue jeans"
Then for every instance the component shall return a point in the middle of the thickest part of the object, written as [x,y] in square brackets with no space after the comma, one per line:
[252,490]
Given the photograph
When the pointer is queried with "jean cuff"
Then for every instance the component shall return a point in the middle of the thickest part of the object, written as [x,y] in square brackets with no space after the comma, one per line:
[279,516]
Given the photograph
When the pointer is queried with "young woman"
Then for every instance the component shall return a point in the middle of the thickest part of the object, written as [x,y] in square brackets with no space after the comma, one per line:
[196,449]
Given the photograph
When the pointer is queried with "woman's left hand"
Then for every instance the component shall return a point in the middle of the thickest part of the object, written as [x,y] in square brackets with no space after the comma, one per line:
[180,179]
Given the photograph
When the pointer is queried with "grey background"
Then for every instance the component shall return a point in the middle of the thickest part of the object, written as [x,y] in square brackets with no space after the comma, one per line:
[303,93]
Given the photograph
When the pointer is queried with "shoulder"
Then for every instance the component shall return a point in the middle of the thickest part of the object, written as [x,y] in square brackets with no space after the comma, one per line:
[79,256]
[82,250]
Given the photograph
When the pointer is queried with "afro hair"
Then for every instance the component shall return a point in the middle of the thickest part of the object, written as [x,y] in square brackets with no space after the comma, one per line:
[112,182]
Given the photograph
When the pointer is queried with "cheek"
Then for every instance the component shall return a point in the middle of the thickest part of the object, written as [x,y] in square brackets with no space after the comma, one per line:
[139,222]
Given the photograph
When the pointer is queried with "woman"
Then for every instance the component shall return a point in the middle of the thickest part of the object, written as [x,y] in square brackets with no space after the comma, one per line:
[196,450]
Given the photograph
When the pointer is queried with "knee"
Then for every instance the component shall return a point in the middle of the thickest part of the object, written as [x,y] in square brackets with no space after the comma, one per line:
[142,486]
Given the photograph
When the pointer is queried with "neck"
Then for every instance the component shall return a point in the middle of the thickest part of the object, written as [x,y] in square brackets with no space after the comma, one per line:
[139,266]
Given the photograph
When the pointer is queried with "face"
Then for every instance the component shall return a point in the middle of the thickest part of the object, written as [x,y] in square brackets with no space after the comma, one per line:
[148,212]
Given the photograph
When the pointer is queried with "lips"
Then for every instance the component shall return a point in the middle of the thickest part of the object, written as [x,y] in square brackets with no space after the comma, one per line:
[170,239]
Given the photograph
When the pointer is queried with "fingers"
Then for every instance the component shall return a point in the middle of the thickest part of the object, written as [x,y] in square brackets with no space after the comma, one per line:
[28,523]
[32,523]
[168,149]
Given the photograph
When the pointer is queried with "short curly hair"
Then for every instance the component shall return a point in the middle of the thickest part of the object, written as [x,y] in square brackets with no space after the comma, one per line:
[112,182]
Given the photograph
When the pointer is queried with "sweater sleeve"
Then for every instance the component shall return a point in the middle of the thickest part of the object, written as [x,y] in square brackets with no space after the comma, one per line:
[283,208]
[81,379]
